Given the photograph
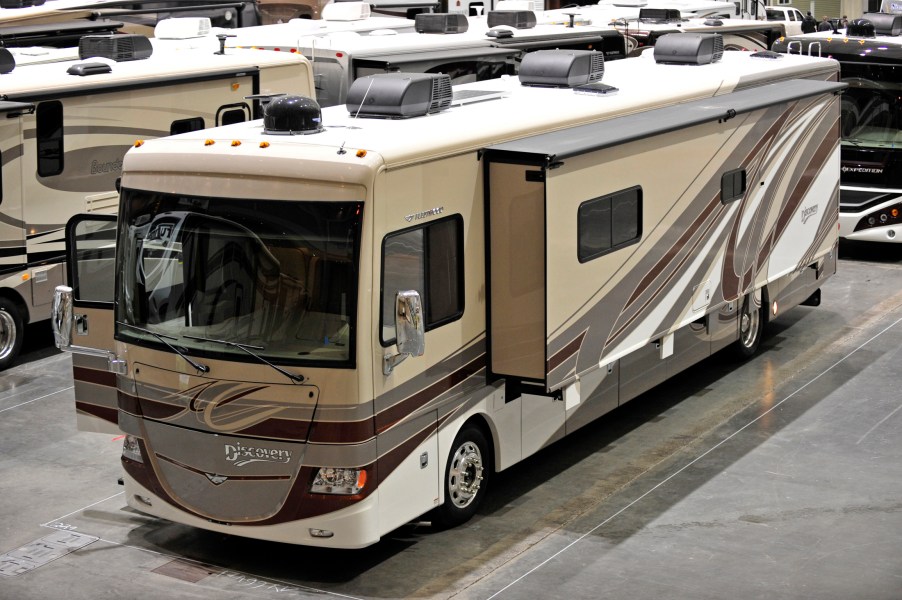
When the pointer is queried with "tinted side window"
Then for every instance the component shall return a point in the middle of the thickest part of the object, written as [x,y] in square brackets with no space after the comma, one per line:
[609,222]
[732,186]
[186,125]
[427,259]
[49,119]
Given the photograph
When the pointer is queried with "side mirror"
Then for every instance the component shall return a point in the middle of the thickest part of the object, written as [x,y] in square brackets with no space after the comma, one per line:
[61,317]
[410,332]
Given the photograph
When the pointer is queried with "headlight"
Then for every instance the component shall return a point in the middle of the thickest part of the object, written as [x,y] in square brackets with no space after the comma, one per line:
[131,450]
[334,480]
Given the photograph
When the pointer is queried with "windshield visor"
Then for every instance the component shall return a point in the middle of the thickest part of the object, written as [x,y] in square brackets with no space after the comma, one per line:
[212,275]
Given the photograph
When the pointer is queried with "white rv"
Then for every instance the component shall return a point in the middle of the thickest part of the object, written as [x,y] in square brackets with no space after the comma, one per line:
[66,127]
[466,48]
[328,323]
[642,32]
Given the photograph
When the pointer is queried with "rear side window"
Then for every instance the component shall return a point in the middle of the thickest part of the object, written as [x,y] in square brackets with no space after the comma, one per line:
[49,121]
[427,259]
[608,223]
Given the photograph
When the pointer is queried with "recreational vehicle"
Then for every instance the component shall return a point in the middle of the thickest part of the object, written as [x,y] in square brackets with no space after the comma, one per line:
[870,58]
[466,48]
[67,125]
[738,34]
[327,323]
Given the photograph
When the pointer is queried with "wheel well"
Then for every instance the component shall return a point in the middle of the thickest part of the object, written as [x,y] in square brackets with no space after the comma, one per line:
[479,421]
[18,301]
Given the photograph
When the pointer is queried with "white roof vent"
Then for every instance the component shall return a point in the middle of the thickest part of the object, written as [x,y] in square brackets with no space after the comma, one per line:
[182,28]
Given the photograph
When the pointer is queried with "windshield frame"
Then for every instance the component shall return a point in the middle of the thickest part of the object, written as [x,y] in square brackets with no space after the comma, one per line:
[130,251]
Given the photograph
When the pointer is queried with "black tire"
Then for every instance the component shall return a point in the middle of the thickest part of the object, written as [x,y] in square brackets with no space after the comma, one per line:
[467,475]
[12,330]
[752,320]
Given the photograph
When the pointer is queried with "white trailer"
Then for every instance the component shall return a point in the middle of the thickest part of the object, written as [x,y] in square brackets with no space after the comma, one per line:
[322,336]
[64,136]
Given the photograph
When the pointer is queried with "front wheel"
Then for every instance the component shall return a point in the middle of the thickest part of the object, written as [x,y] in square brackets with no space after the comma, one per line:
[467,476]
[11,332]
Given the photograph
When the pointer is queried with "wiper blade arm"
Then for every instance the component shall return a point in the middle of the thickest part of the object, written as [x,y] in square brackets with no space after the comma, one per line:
[202,368]
[248,349]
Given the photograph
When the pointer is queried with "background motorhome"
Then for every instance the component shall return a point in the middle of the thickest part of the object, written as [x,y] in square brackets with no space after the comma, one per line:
[341,57]
[63,155]
[423,301]
[870,58]
[139,17]
[738,34]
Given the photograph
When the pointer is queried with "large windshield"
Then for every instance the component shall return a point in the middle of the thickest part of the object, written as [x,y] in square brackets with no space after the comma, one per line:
[871,106]
[212,275]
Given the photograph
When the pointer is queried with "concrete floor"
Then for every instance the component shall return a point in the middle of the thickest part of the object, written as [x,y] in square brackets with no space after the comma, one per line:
[780,477]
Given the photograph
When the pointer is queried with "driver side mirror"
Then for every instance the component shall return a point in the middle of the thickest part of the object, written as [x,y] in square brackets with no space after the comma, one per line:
[410,331]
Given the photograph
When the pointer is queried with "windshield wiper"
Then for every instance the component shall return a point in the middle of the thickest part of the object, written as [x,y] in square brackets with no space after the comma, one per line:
[247,348]
[162,338]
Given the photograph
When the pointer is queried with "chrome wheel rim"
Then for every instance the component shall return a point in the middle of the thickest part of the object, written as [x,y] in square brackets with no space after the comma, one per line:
[465,474]
[7,334]
[749,328]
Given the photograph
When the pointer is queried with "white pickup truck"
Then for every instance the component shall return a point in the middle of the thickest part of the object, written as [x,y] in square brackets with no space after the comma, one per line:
[789,16]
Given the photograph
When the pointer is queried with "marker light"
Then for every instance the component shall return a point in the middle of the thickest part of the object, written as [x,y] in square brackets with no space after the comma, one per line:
[236,143]
[209,142]
[775,308]
[139,143]
[336,480]
[264,144]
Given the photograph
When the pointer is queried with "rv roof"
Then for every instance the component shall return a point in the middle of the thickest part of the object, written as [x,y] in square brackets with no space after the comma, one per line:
[52,79]
[404,42]
[643,85]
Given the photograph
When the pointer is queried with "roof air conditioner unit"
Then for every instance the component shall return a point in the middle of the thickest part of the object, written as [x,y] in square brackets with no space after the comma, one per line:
[7,61]
[660,15]
[120,47]
[346,11]
[689,48]
[862,28]
[885,23]
[518,19]
[399,95]
[561,68]
[182,28]
[441,23]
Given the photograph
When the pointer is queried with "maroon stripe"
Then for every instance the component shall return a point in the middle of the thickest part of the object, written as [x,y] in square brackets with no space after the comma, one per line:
[104,412]
[402,409]
[286,429]
[95,376]
[566,352]
[349,432]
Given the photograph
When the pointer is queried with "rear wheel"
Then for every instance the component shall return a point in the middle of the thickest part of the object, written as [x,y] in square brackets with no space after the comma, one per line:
[466,477]
[752,318]
[11,332]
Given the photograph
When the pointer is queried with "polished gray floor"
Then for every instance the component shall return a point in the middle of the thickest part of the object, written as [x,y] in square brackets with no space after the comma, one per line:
[780,477]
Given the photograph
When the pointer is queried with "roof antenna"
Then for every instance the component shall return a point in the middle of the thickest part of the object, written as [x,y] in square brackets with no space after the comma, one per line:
[342,150]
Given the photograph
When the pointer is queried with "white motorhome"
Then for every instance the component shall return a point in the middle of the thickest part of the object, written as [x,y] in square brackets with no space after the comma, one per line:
[463,47]
[869,52]
[319,337]
[68,124]
[738,34]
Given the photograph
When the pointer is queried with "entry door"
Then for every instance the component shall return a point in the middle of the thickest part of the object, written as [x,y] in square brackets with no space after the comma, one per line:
[91,253]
